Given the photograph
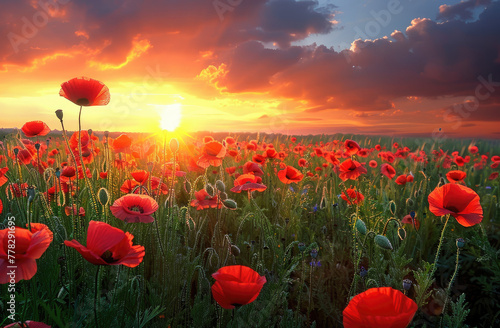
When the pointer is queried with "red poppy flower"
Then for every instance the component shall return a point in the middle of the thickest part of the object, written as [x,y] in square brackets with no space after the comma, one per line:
[302,162]
[122,144]
[407,219]
[401,180]
[350,169]
[259,159]
[230,140]
[212,154]
[232,153]
[107,245]
[248,182]
[473,149]
[388,170]
[155,185]
[103,175]
[28,247]
[379,308]
[493,176]
[27,324]
[230,170]
[3,178]
[271,152]
[85,91]
[373,163]
[67,210]
[293,139]
[140,176]
[456,176]
[251,167]
[204,200]
[35,129]
[409,178]
[457,200]
[290,175]
[353,196]
[128,186]
[459,161]
[495,158]
[17,189]
[207,139]
[134,208]
[24,156]
[351,147]
[236,285]
[1,206]
[68,173]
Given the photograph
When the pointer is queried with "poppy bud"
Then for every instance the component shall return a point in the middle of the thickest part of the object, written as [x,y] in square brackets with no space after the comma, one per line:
[402,233]
[106,133]
[47,142]
[174,145]
[235,250]
[31,194]
[229,203]
[407,284]
[412,214]
[37,146]
[220,186]
[223,196]
[59,114]
[89,131]
[392,207]
[58,173]
[302,247]
[460,242]
[361,226]
[16,151]
[103,195]
[383,242]
[314,253]
[209,189]
[410,202]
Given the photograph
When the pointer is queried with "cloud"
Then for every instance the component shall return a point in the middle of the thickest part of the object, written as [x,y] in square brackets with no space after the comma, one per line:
[463,10]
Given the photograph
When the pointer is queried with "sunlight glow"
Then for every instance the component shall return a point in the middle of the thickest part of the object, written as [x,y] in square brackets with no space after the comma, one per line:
[170,117]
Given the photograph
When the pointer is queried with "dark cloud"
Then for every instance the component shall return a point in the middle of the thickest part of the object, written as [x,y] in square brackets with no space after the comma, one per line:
[463,10]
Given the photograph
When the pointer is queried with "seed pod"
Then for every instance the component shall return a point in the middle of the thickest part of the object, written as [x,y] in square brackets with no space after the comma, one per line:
[460,242]
[229,203]
[302,247]
[361,226]
[89,131]
[220,186]
[103,196]
[59,114]
[383,242]
[223,196]
[410,202]
[407,284]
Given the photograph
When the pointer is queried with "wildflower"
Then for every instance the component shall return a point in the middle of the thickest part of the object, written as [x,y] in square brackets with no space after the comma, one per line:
[134,208]
[35,129]
[236,285]
[290,175]
[84,91]
[456,176]
[107,245]
[350,169]
[459,201]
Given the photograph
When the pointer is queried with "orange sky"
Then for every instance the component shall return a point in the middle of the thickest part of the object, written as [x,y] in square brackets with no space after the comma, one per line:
[241,68]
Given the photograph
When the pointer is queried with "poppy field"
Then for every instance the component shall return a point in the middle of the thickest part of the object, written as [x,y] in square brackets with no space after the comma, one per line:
[110,229]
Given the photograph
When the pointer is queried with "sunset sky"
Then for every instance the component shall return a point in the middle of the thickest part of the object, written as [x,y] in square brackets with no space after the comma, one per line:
[391,67]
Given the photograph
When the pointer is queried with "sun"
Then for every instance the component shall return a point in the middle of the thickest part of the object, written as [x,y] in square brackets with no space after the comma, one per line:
[170,117]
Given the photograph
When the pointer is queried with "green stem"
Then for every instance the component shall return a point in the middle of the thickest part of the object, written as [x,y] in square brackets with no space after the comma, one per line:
[436,258]
[96,295]
[452,280]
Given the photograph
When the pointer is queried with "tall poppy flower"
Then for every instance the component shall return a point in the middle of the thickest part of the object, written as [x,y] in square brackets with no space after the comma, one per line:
[134,208]
[379,308]
[373,163]
[290,175]
[122,144]
[236,285]
[140,176]
[204,200]
[248,182]
[350,169]
[35,129]
[28,247]
[388,170]
[107,245]
[213,153]
[351,147]
[84,91]
[456,176]
[401,180]
[254,168]
[457,200]
[351,196]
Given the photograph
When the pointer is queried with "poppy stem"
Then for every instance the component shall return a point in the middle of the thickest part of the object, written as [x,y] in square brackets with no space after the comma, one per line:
[96,295]
[451,280]
[436,258]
